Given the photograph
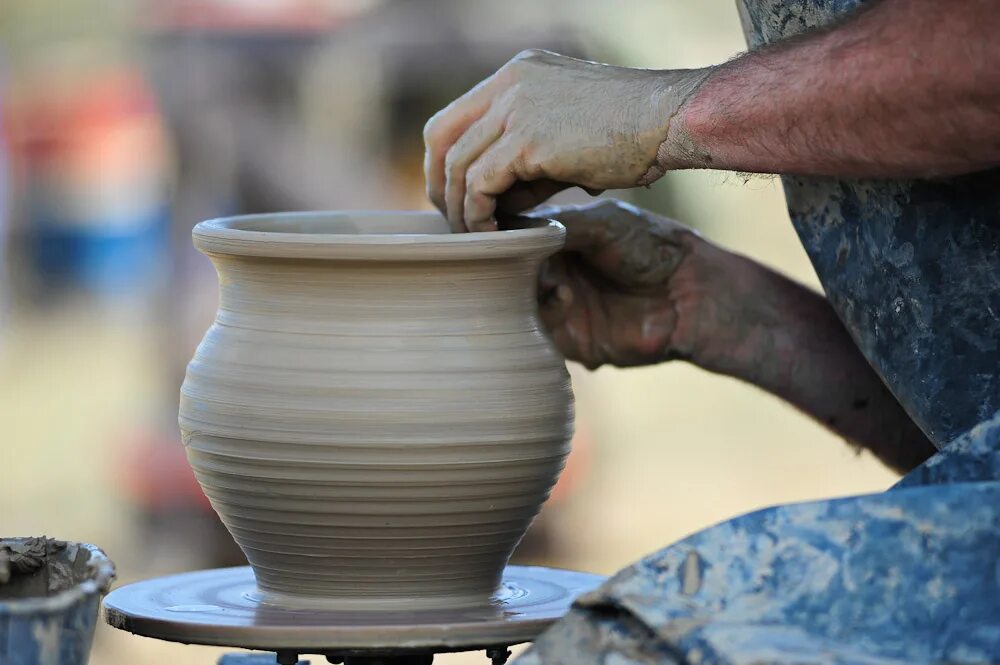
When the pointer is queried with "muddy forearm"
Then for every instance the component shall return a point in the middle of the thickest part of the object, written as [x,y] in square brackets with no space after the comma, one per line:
[786,339]
[907,88]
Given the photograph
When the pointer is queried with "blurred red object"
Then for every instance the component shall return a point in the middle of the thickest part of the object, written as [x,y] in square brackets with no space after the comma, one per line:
[157,478]
[49,123]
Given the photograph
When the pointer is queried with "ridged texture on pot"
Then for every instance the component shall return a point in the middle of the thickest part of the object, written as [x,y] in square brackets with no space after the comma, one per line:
[377,431]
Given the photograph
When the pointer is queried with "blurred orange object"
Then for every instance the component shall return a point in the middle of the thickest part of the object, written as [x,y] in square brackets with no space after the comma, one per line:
[93,157]
[108,122]
[577,465]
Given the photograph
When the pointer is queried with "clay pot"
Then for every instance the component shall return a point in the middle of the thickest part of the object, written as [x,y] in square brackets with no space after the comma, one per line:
[376,414]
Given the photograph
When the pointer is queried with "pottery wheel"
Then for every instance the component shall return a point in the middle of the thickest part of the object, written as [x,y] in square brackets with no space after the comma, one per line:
[219,607]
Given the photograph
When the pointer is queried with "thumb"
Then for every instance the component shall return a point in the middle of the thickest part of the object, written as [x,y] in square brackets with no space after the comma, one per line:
[587,232]
[528,194]
[555,295]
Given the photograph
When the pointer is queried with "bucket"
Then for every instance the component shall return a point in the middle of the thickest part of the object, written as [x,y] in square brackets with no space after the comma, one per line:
[49,594]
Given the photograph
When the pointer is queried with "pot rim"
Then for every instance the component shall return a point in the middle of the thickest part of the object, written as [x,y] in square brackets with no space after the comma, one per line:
[102,571]
[533,237]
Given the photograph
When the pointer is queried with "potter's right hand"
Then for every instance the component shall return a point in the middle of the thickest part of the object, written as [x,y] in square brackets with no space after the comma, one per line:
[545,122]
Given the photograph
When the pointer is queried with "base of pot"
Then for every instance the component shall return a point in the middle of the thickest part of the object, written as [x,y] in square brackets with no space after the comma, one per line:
[223,607]
[283,601]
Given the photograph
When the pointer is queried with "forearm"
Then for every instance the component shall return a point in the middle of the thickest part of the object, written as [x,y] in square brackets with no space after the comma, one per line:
[907,88]
[786,339]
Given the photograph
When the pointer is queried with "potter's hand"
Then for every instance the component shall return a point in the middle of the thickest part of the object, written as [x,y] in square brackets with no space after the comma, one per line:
[632,288]
[625,290]
[545,122]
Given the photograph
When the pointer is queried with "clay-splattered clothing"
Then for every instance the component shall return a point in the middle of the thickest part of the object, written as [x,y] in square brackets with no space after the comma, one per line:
[907,576]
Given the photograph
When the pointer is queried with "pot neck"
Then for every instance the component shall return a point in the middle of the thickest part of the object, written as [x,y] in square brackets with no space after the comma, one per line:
[377,297]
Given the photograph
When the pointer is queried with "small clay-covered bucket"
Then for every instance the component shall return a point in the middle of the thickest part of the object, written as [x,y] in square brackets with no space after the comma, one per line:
[49,594]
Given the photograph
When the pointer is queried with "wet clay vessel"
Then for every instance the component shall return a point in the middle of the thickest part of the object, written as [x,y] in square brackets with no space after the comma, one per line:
[375,414]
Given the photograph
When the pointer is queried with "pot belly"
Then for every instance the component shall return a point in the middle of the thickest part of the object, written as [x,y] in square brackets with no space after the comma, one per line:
[404,473]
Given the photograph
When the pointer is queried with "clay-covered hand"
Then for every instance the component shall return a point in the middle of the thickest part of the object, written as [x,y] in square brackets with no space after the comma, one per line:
[545,122]
[625,290]
[632,288]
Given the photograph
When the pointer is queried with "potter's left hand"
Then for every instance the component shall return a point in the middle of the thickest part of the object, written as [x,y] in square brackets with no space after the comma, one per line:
[628,289]
[634,288]
[545,122]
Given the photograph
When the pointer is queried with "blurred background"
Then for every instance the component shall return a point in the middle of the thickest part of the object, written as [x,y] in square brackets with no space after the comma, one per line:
[124,123]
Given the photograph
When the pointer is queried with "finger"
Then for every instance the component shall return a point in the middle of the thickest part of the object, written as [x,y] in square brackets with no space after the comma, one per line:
[526,195]
[569,331]
[445,127]
[480,135]
[553,273]
[554,311]
[493,173]
[556,305]
[563,295]
[555,299]
[566,344]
